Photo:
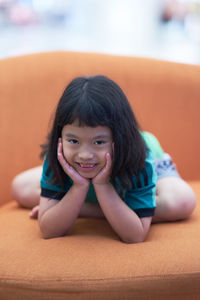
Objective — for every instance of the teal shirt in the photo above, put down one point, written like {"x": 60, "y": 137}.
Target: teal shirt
{"x": 140, "y": 198}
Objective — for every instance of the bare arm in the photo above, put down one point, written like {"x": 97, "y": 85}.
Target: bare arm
{"x": 125, "y": 222}
{"x": 91, "y": 210}
{"x": 57, "y": 217}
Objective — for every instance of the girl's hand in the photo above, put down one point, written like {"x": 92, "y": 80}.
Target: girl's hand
{"x": 34, "y": 212}
{"x": 69, "y": 170}
{"x": 103, "y": 176}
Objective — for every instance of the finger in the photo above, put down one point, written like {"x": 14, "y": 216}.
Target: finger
{"x": 107, "y": 169}
{"x": 60, "y": 153}
{"x": 63, "y": 162}
{"x": 104, "y": 175}
{"x": 59, "y": 148}
{"x": 108, "y": 161}
{"x": 69, "y": 170}
{"x": 34, "y": 212}
{"x": 60, "y": 156}
{"x": 66, "y": 167}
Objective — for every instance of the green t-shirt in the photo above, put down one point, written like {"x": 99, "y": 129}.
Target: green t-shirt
{"x": 153, "y": 144}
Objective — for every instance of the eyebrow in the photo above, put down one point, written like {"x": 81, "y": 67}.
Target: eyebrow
{"x": 71, "y": 135}
{"x": 101, "y": 136}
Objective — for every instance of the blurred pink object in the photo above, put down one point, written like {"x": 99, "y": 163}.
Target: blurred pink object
{"x": 22, "y": 15}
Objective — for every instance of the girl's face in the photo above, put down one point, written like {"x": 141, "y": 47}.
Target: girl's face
{"x": 85, "y": 148}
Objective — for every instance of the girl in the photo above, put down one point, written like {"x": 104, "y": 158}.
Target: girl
{"x": 97, "y": 163}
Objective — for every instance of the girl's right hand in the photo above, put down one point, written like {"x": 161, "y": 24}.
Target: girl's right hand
{"x": 69, "y": 170}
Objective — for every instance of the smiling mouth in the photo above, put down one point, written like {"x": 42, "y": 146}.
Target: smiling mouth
{"x": 86, "y": 166}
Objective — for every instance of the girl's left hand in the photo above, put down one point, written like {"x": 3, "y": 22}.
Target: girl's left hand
{"x": 103, "y": 176}
{"x": 34, "y": 212}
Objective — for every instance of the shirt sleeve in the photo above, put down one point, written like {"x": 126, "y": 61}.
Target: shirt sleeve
{"x": 50, "y": 190}
{"x": 142, "y": 197}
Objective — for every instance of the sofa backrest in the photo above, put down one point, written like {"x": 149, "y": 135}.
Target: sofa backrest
{"x": 165, "y": 97}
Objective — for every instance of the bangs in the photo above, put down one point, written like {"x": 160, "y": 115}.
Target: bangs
{"x": 98, "y": 101}
{"x": 89, "y": 113}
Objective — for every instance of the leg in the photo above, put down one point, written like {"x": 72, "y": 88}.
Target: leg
{"x": 175, "y": 200}
{"x": 25, "y": 187}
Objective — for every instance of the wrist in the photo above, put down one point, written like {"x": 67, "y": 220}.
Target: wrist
{"x": 82, "y": 185}
{"x": 101, "y": 181}
{"x": 100, "y": 185}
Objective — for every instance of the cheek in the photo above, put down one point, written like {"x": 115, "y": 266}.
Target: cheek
{"x": 102, "y": 154}
{"x": 102, "y": 158}
{"x": 67, "y": 152}
{"x": 110, "y": 150}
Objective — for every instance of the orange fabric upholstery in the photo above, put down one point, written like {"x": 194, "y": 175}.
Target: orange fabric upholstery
{"x": 92, "y": 263}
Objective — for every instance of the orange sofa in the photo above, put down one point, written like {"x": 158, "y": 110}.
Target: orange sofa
{"x": 92, "y": 263}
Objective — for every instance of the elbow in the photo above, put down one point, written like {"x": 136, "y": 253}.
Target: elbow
{"x": 47, "y": 236}
{"x": 134, "y": 239}
{"x": 49, "y": 233}
{"x": 138, "y": 234}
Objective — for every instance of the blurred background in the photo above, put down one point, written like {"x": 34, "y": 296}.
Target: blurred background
{"x": 162, "y": 29}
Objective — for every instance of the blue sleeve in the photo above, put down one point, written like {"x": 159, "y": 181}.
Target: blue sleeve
{"x": 142, "y": 197}
{"x": 49, "y": 189}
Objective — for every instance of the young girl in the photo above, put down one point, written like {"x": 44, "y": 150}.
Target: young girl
{"x": 97, "y": 163}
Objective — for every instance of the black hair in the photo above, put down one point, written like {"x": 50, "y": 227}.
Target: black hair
{"x": 99, "y": 101}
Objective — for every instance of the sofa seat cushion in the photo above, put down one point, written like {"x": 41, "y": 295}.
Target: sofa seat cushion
{"x": 92, "y": 263}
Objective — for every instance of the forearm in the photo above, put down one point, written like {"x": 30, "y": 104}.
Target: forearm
{"x": 59, "y": 218}
{"x": 123, "y": 220}
{"x": 91, "y": 210}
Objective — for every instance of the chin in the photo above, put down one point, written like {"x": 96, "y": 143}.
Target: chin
{"x": 88, "y": 176}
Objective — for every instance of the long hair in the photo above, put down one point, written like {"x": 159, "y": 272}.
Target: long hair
{"x": 99, "y": 101}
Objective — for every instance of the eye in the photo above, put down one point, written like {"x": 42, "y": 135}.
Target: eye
{"x": 73, "y": 141}
{"x": 99, "y": 142}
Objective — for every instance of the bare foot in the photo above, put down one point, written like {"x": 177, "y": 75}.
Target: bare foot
{"x": 34, "y": 212}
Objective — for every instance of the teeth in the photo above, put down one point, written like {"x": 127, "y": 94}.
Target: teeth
{"x": 87, "y": 165}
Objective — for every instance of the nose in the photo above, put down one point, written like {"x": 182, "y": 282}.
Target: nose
{"x": 85, "y": 154}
